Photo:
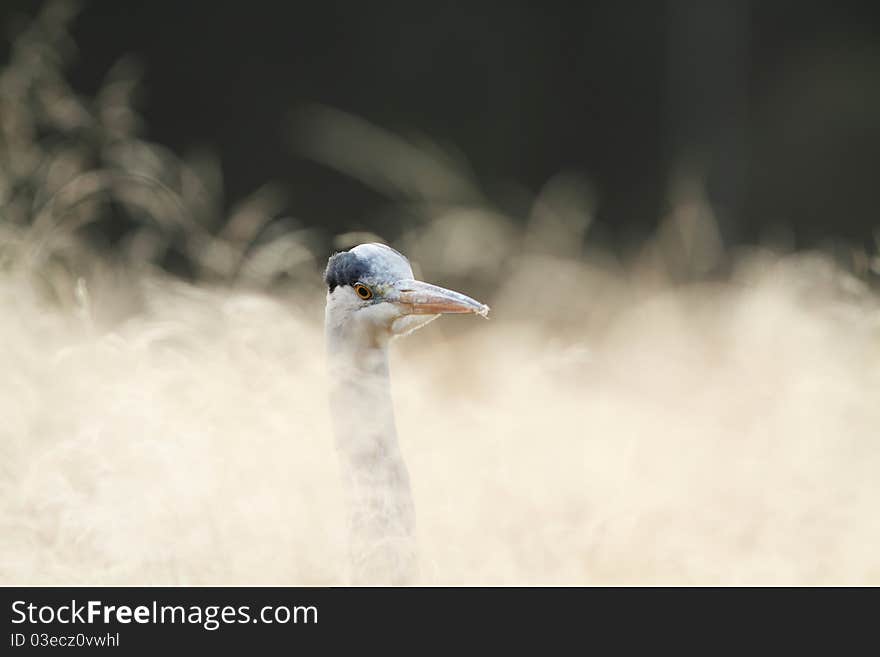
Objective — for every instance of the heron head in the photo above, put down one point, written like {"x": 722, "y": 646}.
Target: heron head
{"x": 371, "y": 289}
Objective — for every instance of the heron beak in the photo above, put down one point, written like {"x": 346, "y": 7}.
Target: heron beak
{"x": 425, "y": 299}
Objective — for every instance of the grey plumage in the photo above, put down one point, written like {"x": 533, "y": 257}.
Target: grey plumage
{"x": 358, "y": 331}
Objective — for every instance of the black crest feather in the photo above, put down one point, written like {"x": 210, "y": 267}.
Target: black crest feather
{"x": 344, "y": 269}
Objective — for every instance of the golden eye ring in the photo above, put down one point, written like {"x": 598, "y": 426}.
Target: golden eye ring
{"x": 363, "y": 291}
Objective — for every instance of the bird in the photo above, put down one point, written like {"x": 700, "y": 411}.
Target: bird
{"x": 372, "y": 298}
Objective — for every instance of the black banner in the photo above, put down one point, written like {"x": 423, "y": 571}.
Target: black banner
{"x": 151, "y": 619}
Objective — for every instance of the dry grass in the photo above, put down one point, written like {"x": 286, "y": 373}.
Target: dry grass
{"x": 723, "y": 433}
{"x": 615, "y": 422}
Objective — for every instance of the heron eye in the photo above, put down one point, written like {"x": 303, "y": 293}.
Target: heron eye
{"x": 363, "y": 291}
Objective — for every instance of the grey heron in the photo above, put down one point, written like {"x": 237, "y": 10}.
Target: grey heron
{"x": 372, "y": 297}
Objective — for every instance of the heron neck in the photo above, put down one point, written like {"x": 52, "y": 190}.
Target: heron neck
{"x": 381, "y": 513}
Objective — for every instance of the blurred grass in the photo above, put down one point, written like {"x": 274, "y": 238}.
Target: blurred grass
{"x": 677, "y": 413}
{"x": 77, "y": 173}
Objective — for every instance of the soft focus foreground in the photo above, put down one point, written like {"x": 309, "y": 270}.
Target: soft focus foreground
{"x": 684, "y": 414}
{"x": 711, "y": 433}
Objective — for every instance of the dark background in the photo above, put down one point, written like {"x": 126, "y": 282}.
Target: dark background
{"x": 776, "y": 104}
